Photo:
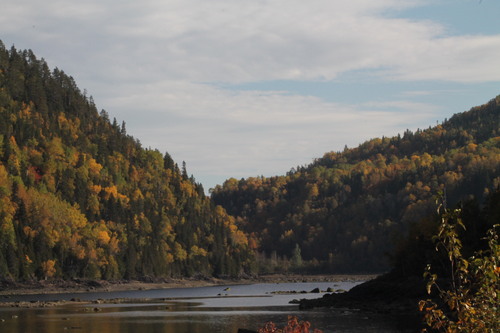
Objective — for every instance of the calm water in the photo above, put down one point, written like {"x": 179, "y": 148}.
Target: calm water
{"x": 192, "y": 310}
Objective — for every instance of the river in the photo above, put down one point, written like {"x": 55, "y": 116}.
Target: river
{"x": 221, "y": 309}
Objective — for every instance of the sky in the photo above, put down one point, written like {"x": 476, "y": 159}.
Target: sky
{"x": 248, "y": 88}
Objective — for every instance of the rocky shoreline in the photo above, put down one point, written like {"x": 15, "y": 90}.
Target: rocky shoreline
{"x": 388, "y": 293}
{"x": 383, "y": 294}
{"x": 82, "y": 285}
{"x": 10, "y": 288}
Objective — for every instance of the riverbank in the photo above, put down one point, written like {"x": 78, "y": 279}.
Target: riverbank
{"x": 9, "y": 288}
{"x": 220, "y": 308}
{"x": 81, "y": 285}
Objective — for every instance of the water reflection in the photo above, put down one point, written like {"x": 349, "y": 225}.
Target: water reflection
{"x": 195, "y": 310}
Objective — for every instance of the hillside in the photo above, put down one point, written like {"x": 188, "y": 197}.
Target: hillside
{"x": 81, "y": 198}
{"x": 349, "y": 211}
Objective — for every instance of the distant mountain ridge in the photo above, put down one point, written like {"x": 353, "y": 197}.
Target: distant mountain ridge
{"x": 81, "y": 198}
{"x": 347, "y": 211}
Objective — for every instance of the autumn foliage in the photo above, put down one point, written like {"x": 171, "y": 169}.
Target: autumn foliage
{"x": 471, "y": 301}
{"x": 348, "y": 209}
{"x": 81, "y": 198}
{"x": 293, "y": 326}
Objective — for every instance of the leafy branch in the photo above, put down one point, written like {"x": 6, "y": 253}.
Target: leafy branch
{"x": 472, "y": 302}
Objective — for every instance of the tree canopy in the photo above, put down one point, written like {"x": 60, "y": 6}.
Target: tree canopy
{"x": 81, "y": 198}
{"x": 348, "y": 210}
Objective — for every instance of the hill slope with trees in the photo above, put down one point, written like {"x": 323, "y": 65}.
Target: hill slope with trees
{"x": 81, "y": 198}
{"x": 347, "y": 211}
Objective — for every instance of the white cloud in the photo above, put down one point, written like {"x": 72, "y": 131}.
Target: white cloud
{"x": 238, "y": 41}
{"x": 460, "y": 59}
{"x": 155, "y": 64}
{"x": 253, "y": 132}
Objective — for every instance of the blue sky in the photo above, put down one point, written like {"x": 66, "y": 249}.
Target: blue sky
{"x": 246, "y": 88}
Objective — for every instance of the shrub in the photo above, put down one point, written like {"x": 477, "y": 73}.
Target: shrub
{"x": 293, "y": 326}
{"x": 472, "y": 303}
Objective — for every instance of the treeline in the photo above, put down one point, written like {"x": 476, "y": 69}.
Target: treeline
{"x": 348, "y": 211}
{"x": 81, "y": 198}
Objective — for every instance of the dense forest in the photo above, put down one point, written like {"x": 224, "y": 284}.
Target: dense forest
{"x": 351, "y": 211}
{"x": 81, "y": 198}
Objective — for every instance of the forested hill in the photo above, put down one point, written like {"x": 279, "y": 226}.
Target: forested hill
{"x": 348, "y": 210}
{"x": 81, "y": 198}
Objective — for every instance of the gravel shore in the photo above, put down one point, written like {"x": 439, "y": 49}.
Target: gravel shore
{"x": 9, "y": 288}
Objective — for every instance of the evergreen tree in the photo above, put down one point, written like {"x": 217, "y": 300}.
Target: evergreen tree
{"x": 81, "y": 198}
